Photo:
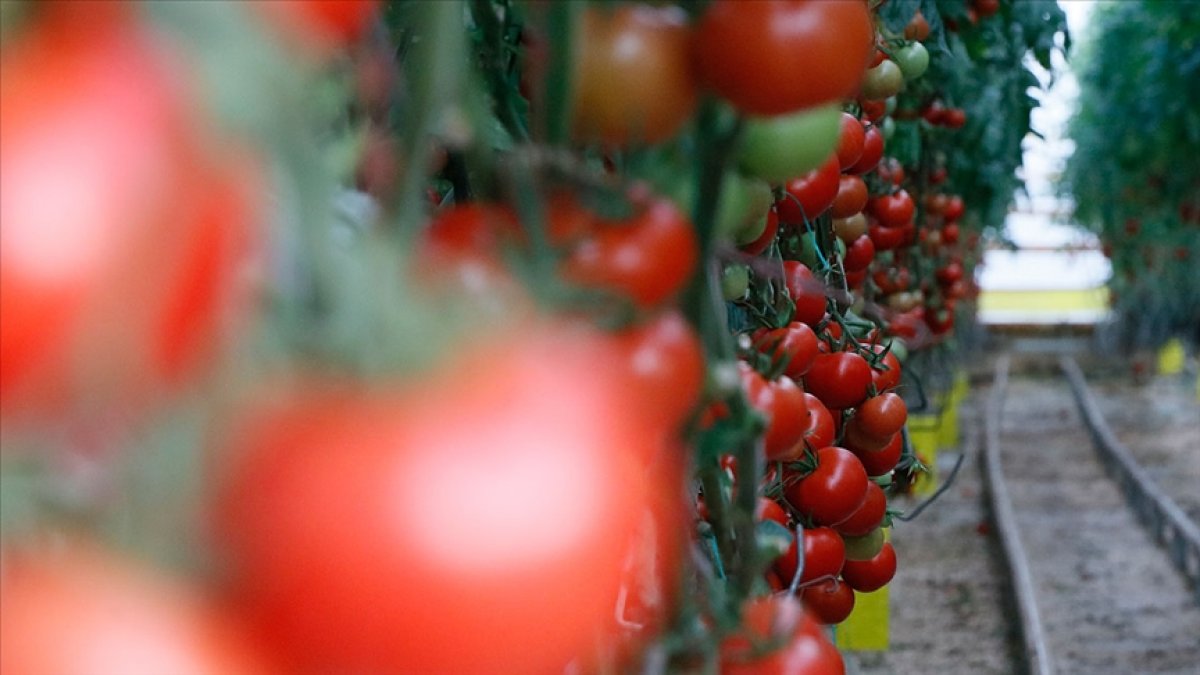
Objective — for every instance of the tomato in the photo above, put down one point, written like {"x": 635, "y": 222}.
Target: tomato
{"x": 985, "y": 8}
{"x": 917, "y": 28}
{"x": 859, "y": 255}
{"x": 110, "y": 206}
{"x": 913, "y": 60}
{"x": 749, "y": 53}
{"x": 735, "y": 282}
{"x": 649, "y": 258}
{"x": 795, "y": 342}
{"x": 954, "y": 118}
{"x": 769, "y": 509}
{"x": 381, "y": 566}
{"x": 939, "y": 176}
{"x": 474, "y": 229}
{"x": 768, "y": 235}
{"x": 883, "y": 81}
{"x": 881, "y": 416}
{"x": 779, "y": 148}
{"x": 954, "y": 208}
{"x": 950, "y": 233}
{"x": 893, "y": 210}
{"x": 850, "y": 229}
{"x": 873, "y": 574}
{"x": 321, "y": 25}
{"x": 824, "y": 554}
{"x": 829, "y": 601}
{"x": 872, "y": 152}
{"x": 879, "y": 462}
{"x": 633, "y": 77}
{"x": 868, "y": 516}
{"x": 891, "y": 170}
{"x": 885, "y": 238}
{"x": 865, "y": 547}
{"x": 84, "y": 611}
{"x": 821, "y": 430}
{"x": 851, "y": 196}
{"x": 833, "y": 491}
{"x": 850, "y": 141}
{"x": 873, "y": 111}
{"x": 950, "y": 273}
{"x": 840, "y": 379}
{"x": 779, "y": 619}
{"x": 806, "y": 291}
{"x": 781, "y": 402}
{"x": 810, "y": 195}
{"x": 886, "y": 375}
{"x": 665, "y": 364}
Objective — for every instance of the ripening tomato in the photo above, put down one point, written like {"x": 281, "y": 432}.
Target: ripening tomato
{"x": 883, "y": 81}
{"x": 649, "y": 258}
{"x": 833, "y": 491}
{"x": 810, "y": 195}
{"x": 868, "y": 516}
{"x": 320, "y": 25}
{"x": 917, "y": 28}
{"x": 767, "y": 237}
{"x": 872, "y": 152}
{"x": 123, "y": 244}
{"x": 873, "y": 574}
{"x": 779, "y": 619}
{"x": 806, "y": 291}
{"x": 83, "y": 611}
{"x": 893, "y": 210}
{"x": 851, "y": 196}
{"x": 850, "y": 141}
{"x": 750, "y": 53}
{"x": 388, "y": 563}
{"x": 795, "y": 342}
{"x": 850, "y": 229}
{"x": 830, "y": 601}
{"x": 821, "y": 429}
{"x": 839, "y": 379}
{"x": 633, "y": 75}
{"x": 824, "y": 554}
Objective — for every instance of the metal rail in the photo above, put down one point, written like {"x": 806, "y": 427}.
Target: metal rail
{"x": 1158, "y": 512}
{"x": 1033, "y": 638}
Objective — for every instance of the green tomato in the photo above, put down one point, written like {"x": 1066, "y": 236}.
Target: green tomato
{"x": 742, "y": 212}
{"x": 865, "y": 547}
{"x": 888, "y": 127}
{"x": 913, "y": 60}
{"x": 735, "y": 282}
{"x": 900, "y": 349}
{"x": 882, "y": 81}
{"x": 778, "y": 148}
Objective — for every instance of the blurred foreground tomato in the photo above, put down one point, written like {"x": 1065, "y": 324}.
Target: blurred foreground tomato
{"x": 791, "y": 642}
{"x": 84, "y": 613}
{"x": 320, "y": 25}
{"x": 476, "y": 520}
{"x": 120, "y": 242}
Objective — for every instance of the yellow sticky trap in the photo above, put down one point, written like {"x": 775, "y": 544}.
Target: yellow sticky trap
{"x": 960, "y": 388}
{"x": 924, "y": 431}
{"x": 867, "y": 629}
{"x": 948, "y": 430}
{"x": 1171, "y": 358}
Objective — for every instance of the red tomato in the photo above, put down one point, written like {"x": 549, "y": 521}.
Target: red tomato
{"x": 873, "y": 111}
{"x": 833, "y": 491}
{"x": 750, "y": 53}
{"x": 82, "y": 611}
{"x": 881, "y": 416}
{"x": 885, "y": 238}
{"x": 871, "y": 575}
{"x": 769, "y": 509}
{"x": 810, "y": 195}
{"x": 649, "y": 258}
{"x": 781, "y": 402}
{"x": 829, "y": 601}
{"x": 474, "y": 229}
{"x": 807, "y": 292}
{"x": 950, "y": 233}
{"x": 891, "y": 170}
{"x": 879, "y": 462}
{"x": 768, "y": 235}
{"x": 795, "y": 342}
{"x": 872, "y": 151}
{"x": 851, "y": 196}
{"x": 779, "y": 619}
{"x": 665, "y": 363}
{"x": 121, "y": 242}
{"x": 893, "y": 210}
{"x": 321, "y": 24}
{"x": 859, "y": 255}
{"x": 954, "y": 208}
{"x": 389, "y": 563}
{"x": 633, "y": 75}
{"x": 954, "y": 118}
{"x": 821, "y": 430}
{"x": 917, "y": 28}
{"x": 840, "y": 379}
{"x": 850, "y": 141}
{"x": 824, "y": 553}
{"x": 886, "y": 375}
{"x": 867, "y": 517}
